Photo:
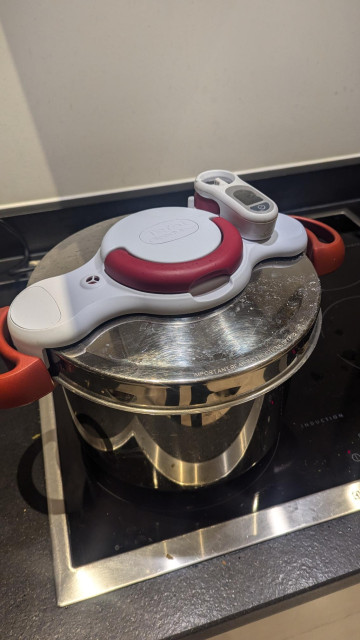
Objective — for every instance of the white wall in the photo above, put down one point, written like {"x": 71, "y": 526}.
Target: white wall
{"x": 120, "y": 93}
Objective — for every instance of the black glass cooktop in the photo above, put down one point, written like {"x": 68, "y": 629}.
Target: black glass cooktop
{"x": 318, "y": 447}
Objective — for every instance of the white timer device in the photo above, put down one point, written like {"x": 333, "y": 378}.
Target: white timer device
{"x": 253, "y": 213}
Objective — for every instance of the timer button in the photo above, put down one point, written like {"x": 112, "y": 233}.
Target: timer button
{"x": 263, "y": 206}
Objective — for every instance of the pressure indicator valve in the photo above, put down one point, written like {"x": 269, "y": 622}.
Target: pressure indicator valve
{"x": 222, "y": 192}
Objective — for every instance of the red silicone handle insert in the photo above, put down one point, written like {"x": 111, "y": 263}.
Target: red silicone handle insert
{"x": 177, "y": 277}
{"x": 206, "y": 204}
{"x": 325, "y": 248}
{"x": 27, "y": 380}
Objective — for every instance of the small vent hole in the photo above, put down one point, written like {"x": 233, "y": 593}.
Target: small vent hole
{"x": 92, "y": 279}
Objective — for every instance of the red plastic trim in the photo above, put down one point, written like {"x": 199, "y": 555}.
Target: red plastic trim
{"x": 206, "y": 204}
{"x": 326, "y": 248}
{"x": 177, "y": 277}
{"x": 28, "y": 380}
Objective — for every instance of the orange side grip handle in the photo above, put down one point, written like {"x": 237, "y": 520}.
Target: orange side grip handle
{"x": 27, "y": 379}
{"x": 325, "y": 248}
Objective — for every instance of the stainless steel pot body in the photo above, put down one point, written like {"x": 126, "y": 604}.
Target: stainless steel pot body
{"x": 181, "y": 451}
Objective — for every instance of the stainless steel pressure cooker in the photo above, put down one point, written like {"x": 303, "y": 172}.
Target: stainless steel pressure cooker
{"x": 172, "y": 332}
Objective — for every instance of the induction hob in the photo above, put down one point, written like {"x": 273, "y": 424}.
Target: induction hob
{"x": 107, "y": 534}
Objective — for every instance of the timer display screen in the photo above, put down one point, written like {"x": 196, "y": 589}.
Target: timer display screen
{"x": 246, "y": 196}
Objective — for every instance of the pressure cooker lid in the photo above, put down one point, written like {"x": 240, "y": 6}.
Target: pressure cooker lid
{"x": 189, "y": 363}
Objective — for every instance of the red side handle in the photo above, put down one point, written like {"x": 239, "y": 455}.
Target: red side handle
{"x": 325, "y": 248}
{"x": 28, "y": 378}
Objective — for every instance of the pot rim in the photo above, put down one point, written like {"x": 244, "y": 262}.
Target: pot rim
{"x": 144, "y": 398}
